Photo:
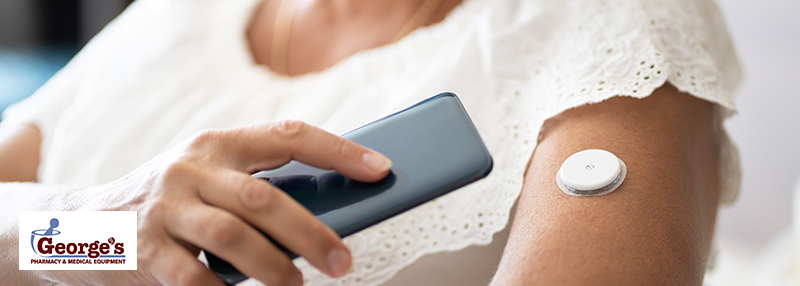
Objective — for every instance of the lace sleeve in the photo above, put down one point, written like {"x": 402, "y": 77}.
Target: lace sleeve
{"x": 630, "y": 48}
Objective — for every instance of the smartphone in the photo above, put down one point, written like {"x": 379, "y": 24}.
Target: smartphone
{"x": 434, "y": 148}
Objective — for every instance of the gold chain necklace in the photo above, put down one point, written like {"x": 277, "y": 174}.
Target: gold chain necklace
{"x": 422, "y": 15}
{"x": 283, "y": 27}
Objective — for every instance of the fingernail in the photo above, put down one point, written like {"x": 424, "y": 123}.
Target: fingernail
{"x": 339, "y": 262}
{"x": 297, "y": 280}
{"x": 377, "y": 161}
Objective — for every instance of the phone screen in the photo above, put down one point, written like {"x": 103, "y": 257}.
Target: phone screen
{"x": 328, "y": 191}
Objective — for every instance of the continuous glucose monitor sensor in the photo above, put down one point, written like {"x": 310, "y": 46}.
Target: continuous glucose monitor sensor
{"x": 591, "y": 172}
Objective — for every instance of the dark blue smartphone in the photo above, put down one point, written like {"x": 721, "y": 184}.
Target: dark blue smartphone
{"x": 434, "y": 148}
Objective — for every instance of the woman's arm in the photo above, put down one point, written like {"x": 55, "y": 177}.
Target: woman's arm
{"x": 19, "y": 152}
{"x": 655, "y": 229}
{"x": 200, "y": 195}
{"x": 16, "y": 197}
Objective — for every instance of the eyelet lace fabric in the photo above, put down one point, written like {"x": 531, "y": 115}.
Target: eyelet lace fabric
{"x": 583, "y": 52}
{"x": 165, "y": 69}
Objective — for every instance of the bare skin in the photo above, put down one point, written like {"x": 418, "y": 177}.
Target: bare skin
{"x": 654, "y": 230}
{"x": 325, "y": 32}
{"x": 19, "y": 152}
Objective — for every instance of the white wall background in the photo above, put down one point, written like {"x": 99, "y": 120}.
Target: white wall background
{"x": 767, "y": 130}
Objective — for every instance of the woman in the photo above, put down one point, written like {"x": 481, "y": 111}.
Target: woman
{"x": 648, "y": 81}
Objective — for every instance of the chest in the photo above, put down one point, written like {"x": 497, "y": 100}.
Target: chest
{"x": 299, "y": 37}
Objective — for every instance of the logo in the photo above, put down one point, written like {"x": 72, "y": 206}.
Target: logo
{"x": 46, "y": 248}
{"x": 79, "y": 240}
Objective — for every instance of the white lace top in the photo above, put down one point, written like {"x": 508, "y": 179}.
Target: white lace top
{"x": 167, "y": 68}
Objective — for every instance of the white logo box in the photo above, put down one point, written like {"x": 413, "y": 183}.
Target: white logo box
{"x": 79, "y": 240}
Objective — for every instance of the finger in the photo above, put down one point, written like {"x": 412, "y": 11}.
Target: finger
{"x": 279, "y": 216}
{"x": 229, "y": 238}
{"x": 268, "y": 146}
{"x": 178, "y": 267}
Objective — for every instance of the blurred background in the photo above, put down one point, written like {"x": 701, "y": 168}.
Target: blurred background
{"x": 37, "y": 37}
{"x": 753, "y": 232}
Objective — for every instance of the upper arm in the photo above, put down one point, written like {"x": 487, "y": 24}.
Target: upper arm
{"x": 19, "y": 152}
{"x": 655, "y": 229}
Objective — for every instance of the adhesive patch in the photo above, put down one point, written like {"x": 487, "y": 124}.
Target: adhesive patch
{"x": 591, "y": 172}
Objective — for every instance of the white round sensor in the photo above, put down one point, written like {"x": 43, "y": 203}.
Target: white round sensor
{"x": 591, "y": 172}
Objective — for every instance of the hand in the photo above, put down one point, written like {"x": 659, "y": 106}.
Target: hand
{"x": 199, "y": 195}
